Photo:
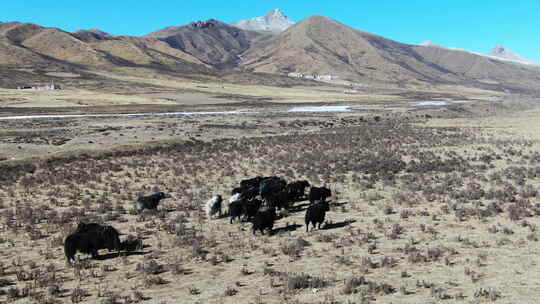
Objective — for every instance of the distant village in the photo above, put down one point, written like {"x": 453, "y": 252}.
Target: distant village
{"x": 314, "y": 77}
{"x": 40, "y": 87}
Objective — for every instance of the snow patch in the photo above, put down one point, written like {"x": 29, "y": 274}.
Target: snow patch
{"x": 430, "y": 103}
{"x": 439, "y": 103}
{"x": 321, "y": 109}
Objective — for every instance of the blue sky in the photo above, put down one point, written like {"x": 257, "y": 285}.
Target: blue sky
{"x": 466, "y": 24}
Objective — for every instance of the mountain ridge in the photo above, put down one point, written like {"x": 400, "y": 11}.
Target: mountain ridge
{"x": 317, "y": 45}
{"x": 498, "y": 52}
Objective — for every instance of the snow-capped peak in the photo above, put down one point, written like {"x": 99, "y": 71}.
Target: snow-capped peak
{"x": 500, "y": 51}
{"x": 274, "y": 21}
{"x": 429, "y": 43}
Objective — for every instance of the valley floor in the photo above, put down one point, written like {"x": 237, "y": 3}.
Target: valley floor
{"x": 429, "y": 204}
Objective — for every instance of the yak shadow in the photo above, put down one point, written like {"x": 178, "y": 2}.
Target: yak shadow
{"x": 337, "y": 204}
{"x": 304, "y": 206}
{"x": 299, "y": 207}
{"x": 113, "y": 255}
{"x": 329, "y": 226}
{"x": 288, "y": 228}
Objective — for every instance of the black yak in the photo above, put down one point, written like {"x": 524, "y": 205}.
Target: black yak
{"x": 91, "y": 241}
{"x": 318, "y": 194}
{"x": 91, "y": 227}
{"x": 264, "y": 220}
{"x": 236, "y": 210}
{"x": 252, "y": 182}
{"x": 250, "y": 208}
{"x": 297, "y": 189}
{"x": 315, "y": 214}
{"x": 271, "y": 186}
{"x": 149, "y": 201}
{"x": 281, "y": 199}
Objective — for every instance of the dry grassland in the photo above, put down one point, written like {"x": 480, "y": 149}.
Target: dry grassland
{"x": 423, "y": 211}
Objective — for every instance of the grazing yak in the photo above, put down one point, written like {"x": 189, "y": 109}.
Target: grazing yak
{"x": 315, "y": 214}
{"x": 270, "y": 186}
{"x": 247, "y": 193}
{"x": 264, "y": 220}
{"x": 149, "y": 201}
{"x": 250, "y": 208}
{"x": 297, "y": 189}
{"x": 91, "y": 238}
{"x": 244, "y": 210}
{"x": 91, "y": 227}
{"x": 281, "y": 199}
{"x": 318, "y": 194}
{"x": 94, "y": 227}
{"x": 252, "y": 182}
{"x": 213, "y": 206}
{"x": 235, "y": 210}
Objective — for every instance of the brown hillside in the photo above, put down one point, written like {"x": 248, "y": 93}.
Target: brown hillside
{"x": 319, "y": 45}
{"x": 211, "y": 41}
{"x": 62, "y": 45}
{"x": 482, "y": 69}
{"x": 25, "y": 44}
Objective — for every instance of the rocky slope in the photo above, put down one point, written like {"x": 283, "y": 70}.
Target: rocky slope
{"x": 212, "y": 42}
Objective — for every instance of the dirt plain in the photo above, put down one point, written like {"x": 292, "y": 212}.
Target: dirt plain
{"x": 429, "y": 205}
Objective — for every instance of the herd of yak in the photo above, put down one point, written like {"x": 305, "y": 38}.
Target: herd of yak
{"x": 255, "y": 200}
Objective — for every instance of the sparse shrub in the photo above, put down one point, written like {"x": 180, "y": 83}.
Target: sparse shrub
{"x": 294, "y": 248}
{"x": 230, "y": 291}
{"x": 194, "y": 290}
{"x": 490, "y": 294}
{"x": 77, "y": 295}
{"x": 152, "y": 280}
{"x": 150, "y": 267}
{"x": 302, "y": 281}
{"x": 351, "y": 285}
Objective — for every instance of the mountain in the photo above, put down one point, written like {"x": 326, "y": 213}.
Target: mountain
{"x": 498, "y": 52}
{"x": 319, "y": 45}
{"x": 315, "y": 46}
{"x": 36, "y": 44}
{"x": 274, "y": 21}
{"x": 27, "y": 46}
{"x": 212, "y": 42}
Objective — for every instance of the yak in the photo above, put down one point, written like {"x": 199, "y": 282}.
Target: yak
{"x": 149, "y": 201}
{"x": 91, "y": 240}
{"x": 213, "y": 206}
{"x": 315, "y": 214}
{"x": 264, "y": 220}
{"x": 318, "y": 194}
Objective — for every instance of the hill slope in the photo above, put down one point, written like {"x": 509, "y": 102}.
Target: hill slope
{"x": 36, "y": 44}
{"x": 212, "y": 42}
{"x": 319, "y": 45}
